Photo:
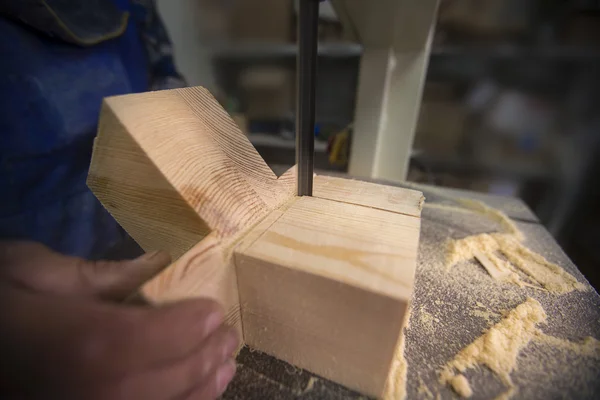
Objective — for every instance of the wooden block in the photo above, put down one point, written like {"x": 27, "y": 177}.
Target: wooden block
{"x": 325, "y": 287}
{"x": 323, "y": 281}
{"x": 172, "y": 166}
{"x": 178, "y": 174}
{"x": 388, "y": 198}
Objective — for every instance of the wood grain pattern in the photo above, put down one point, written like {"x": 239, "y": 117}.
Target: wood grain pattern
{"x": 388, "y": 198}
{"x": 204, "y": 271}
{"x": 325, "y": 285}
{"x": 131, "y": 187}
{"x": 176, "y": 172}
{"x": 183, "y": 141}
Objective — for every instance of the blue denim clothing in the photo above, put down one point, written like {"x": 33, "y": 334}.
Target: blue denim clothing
{"x": 52, "y": 83}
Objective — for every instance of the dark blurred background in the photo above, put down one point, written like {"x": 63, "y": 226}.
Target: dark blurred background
{"x": 510, "y": 105}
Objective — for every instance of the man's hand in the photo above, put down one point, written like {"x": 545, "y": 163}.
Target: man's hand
{"x": 60, "y": 337}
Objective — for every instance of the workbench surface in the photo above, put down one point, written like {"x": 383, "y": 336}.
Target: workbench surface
{"x": 450, "y": 309}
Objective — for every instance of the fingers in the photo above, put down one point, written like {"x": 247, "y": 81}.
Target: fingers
{"x": 197, "y": 369}
{"x": 36, "y": 267}
{"x": 15, "y": 251}
{"x": 152, "y": 338}
{"x": 116, "y": 280}
{"x": 22, "y": 264}
{"x": 215, "y": 385}
{"x": 71, "y": 347}
{"x": 107, "y": 340}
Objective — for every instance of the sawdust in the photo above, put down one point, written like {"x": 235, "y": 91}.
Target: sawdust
{"x": 309, "y": 386}
{"x": 499, "y": 347}
{"x": 506, "y": 395}
{"x": 536, "y": 268}
{"x": 588, "y": 347}
{"x": 575, "y": 366}
{"x": 460, "y": 384}
{"x": 550, "y": 276}
{"x": 421, "y": 203}
{"x": 453, "y": 306}
{"x": 427, "y": 319}
{"x": 485, "y": 247}
{"x": 446, "y": 207}
{"x": 493, "y": 214}
{"x": 423, "y": 390}
{"x": 395, "y": 388}
{"x": 489, "y": 316}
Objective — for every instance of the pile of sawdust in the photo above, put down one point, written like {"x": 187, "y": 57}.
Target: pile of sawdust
{"x": 395, "y": 388}
{"x": 481, "y": 311}
{"x": 494, "y": 215}
{"x": 575, "y": 366}
{"x": 460, "y": 384}
{"x": 447, "y": 324}
{"x": 498, "y": 348}
{"x": 539, "y": 270}
{"x": 435, "y": 282}
{"x": 552, "y": 277}
{"x": 484, "y": 247}
{"x": 588, "y": 347}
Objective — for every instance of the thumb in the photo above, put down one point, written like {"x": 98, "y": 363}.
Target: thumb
{"x": 35, "y": 267}
{"x": 115, "y": 280}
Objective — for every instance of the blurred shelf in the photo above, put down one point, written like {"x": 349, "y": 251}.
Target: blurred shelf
{"x": 263, "y": 50}
{"x": 553, "y": 52}
{"x": 276, "y": 150}
{"x": 257, "y": 50}
{"x": 274, "y": 141}
{"x": 517, "y": 170}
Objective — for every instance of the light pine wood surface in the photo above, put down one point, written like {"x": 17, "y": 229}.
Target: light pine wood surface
{"x": 326, "y": 285}
{"x": 322, "y": 282}
{"x": 387, "y": 198}
{"x": 178, "y": 175}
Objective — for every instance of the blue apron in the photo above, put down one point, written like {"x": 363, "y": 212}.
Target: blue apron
{"x": 54, "y": 72}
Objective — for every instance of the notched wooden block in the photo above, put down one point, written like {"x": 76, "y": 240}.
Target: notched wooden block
{"x": 322, "y": 282}
{"x": 171, "y": 166}
{"x": 178, "y": 175}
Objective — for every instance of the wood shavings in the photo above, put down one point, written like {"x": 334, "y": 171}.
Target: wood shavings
{"x": 423, "y": 390}
{"x": 427, "y": 320}
{"x": 460, "y": 384}
{"x": 467, "y": 302}
{"x": 552, "y": 277}
{"x": 489, "y": 316}
{"x": 495, "y": 268}
{"x": 548, "y": 275}
{"x": 447, "y": 207}
{"x": 495, "y": 215}
{"x": 395, "y": 388}
{"x": 484, "y": 247}
{"x": 499, "y": 347}
{"x": 309, "y": 386}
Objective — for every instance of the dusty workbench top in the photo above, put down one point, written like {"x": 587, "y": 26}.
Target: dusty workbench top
{"x": 452, "y": 308}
